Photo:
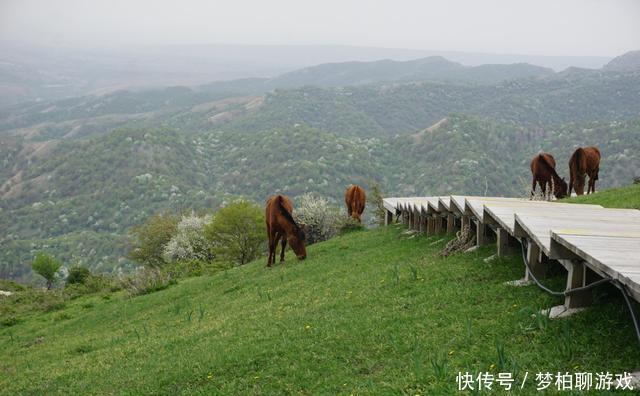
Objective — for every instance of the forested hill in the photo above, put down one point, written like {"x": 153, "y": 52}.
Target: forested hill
{"x": 78, "y": 173}
{"x": 368, "y": 110}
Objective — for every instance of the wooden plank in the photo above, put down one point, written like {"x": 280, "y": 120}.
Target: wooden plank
{"x": 390, "y": 204}
{"x": 444, "y": 204}
{"x": 503, "y": 213}
{"x": 457, "y": 204}
{"x": 614, "y": 255}
{"x": 474, "y": 206}
{"x": 537, "y": 226}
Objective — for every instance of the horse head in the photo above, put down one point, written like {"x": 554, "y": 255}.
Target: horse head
{"x": 296, "y": 240}
{"x": 560, "y": 190}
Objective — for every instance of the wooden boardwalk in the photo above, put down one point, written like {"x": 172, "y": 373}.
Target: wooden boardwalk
{"x": 590, "y": 241}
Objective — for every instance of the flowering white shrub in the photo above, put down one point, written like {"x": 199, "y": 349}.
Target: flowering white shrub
{"x": 321, "y": 221}
{"x": 189, "y": 241}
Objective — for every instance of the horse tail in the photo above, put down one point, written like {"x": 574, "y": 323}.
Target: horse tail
{"x": 578, "y": 161}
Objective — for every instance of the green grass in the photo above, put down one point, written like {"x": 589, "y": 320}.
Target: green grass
{"x": 625, "y": 197}
{"x": 370, "y": 312}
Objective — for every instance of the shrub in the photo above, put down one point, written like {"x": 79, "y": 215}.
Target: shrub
{"x": 151, "y": 237}
{"x": 46, "y": 266}
{"x": 374, "y": 200}
{"x": 92, "y": 284}
{"x": 237, "y": 232}
{"x": 346, "y": 224}
{"x": 10, "y": 286}
{"x": 78, "y": 275}
{"x": 189, "y": 242}
{"x": 321, "y": 221}
{"x": 147, "y": 280}
{"x": 9, "y": 321}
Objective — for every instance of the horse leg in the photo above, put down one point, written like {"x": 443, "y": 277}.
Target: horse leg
{"x": 276, "y": 240}
{"x": 533, "y": 188}
{"x": 272, "y": 248}
{"x": 570, "y": 184}
{"x": 284, "y": 247}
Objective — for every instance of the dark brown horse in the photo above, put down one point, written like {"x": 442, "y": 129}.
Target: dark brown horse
{"x": 355, "y": 198}
{"x": 584, "y": 161}
{"x": 280, "y": 224}
{"x": 543, "y": 169}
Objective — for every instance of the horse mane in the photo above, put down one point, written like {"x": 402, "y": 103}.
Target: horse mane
{"x": 285, "y": 213}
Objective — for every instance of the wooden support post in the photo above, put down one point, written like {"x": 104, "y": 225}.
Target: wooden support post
{"x": 578, "y": 277}
{"x": 420, "y": 224}
{"x": 450, "y": 223}
{"x": 438, "y": 225}
{"x": 388, "y": 218}
{"x": 430, "y": 225}
{"x": 466, "y": 222}
{"x": 503, "y": 242}
{"x": 538, "y": 267}
{"x": 481, "y": 236}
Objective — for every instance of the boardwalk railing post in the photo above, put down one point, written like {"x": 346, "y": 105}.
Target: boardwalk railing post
{"x": 505, "y": 242}
{"x": 431, "y": 225}
{"x": 577, "y": 277}
{"x": 388, "y": 218}
{"x": 466, "y": 222}
{"x": 450, "y": 224}
{"x": 481, "y": 236}
{"x": 536, "y": 264}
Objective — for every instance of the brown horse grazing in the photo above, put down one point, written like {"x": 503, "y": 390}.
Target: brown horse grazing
{"x": 280, "y": 224}
{"x": 355, "y": 198}
{"x": 543, "y": 169}
{"x": 584, "y": 161}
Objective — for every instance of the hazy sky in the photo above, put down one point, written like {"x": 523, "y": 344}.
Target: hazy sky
{"x": 543, "y": 27}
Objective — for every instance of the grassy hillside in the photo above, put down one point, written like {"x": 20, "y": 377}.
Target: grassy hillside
{"x": 370, "y": 312}
{"x": 625, "y": 197}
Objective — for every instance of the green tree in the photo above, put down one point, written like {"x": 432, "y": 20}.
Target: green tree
{"x": 237, "y": 232}
{"x": 151, "y": 238}
{"x": 78, "y": 274}
{"x": 46, "y": 266}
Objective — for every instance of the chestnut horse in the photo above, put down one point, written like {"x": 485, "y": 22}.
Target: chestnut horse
{"x": 355, "y": 198}
{"x": 543, "y": 169}
{"x": 280, "y": 224}
{"x": 584, "y": 161}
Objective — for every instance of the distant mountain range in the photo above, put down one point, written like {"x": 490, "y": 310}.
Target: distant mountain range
{"x": 31, "y": 73}
{"x": 424, "y": 69}
{"x": 626, "y": 62}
